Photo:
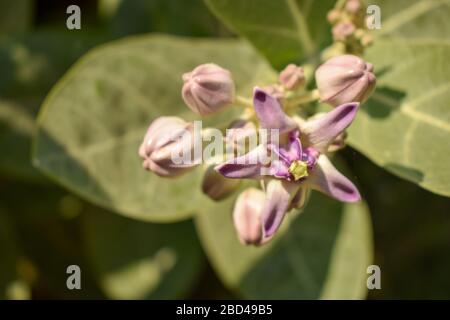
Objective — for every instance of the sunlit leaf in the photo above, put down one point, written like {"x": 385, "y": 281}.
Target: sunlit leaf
{"x": 414, "y": 19}
{"x": 284, "y": 31}
{"x": 405, "y": 126}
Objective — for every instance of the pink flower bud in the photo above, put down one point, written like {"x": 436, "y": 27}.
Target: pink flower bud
{"x": 239, "y": 136}
{"x": 216, "y": 186}
{"x": 345, "y": 78}
{"x": 166, "y": 137}
{"x": 343, "y": 30}
{"x": 208, "y": 89}
{"x": 353, "y": 6}
{"x": 292, "y": 77}
{"x": 333, "y": 16}
{"x": 247, "y": 216}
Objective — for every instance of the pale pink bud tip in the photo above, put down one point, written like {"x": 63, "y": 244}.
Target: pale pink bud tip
{"x": 343, "y": 30}
{"x": 247, "y": 216}
{"x": 208, "y": 89}
{"x": 353, "y": 6}
{"x": 165, "y": 142}
{"x": 292, "y": 77}
{"x": 344, "y": 79}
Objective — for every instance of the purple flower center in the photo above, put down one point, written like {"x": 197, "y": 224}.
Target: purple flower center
{"x": 294, "y": 163}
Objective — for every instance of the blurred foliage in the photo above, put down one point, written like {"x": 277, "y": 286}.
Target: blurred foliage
{"x": 44, "y": 229}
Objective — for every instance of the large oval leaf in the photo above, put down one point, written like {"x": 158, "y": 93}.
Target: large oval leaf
{"x": 284, "y": 31}
{"x": 405, "y": 126}
{"x": 138, "y": 260}
{"x": 323, "y": 253}
{"x": 92, "y": 123}
{"x": 414, "y": 19}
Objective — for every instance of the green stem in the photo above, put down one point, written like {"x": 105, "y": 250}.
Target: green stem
{"x": 243, "y": 102}
{"x": 302, "y": 99}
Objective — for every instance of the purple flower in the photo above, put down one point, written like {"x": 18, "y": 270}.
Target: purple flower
{"x": 297, "y": 164}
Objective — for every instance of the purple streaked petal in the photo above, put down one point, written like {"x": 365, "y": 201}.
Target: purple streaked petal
{"x": 281, "y": 153}
{"x": 320, "y": 132}
{"x": 325, "y": 178}
{"x": 248, "y": 165}
{"x": 295, "y": 146}
{"x": 270, "y": 113}
{"x": 279, "y": 194}
{"x": 279, "y": 169}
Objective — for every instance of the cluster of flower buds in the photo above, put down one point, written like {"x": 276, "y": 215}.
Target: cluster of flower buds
{"x": 297, "y": 161}
{"x": 349, "y": 30}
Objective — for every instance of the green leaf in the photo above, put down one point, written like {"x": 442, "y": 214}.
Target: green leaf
{"x": 284, "y": 31}
{"x": 30, "y": 65}
{"x": 414, "y": 19}
{"x": 405, "y": 126}
{"x": 92, "y": 123}
{"x": 323, "y": 253}
{"x": 15, "y": 16}
{"x": 11, "y": 284}
{"x": 138, "y": 260}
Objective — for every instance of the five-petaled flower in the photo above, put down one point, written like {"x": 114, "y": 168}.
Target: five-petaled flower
{"x": 298, "y": 162}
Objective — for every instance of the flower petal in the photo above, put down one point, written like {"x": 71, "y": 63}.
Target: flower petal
{"x": 279, "y": 194}
{"x": 279, "y": 169}
{"x": 325, "y": 178}
{"x": 270, "y": 112}
{"x": 321, "y": 131}
{"x": 250, "y": 165}
{"x": 295, "y": 146}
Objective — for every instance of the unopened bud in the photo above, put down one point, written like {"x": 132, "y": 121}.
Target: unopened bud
{"x": 247, "y": 216}
{"x": 241, "y": 137}
{"x": 333, "y": 16}
{"x": 216, "y": 186}
{"x": 345, "y": 78}
{"x": 208, "y": 89}
{"x": 292, "y": 77}
{"x": 343, "y": 30}
{"x": 353, "y": 6}
{"x": 166, "y": 137}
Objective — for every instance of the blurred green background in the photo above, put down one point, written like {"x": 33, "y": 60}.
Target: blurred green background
{"x": 44, "y": 228}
